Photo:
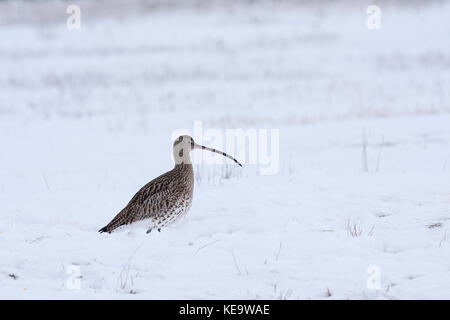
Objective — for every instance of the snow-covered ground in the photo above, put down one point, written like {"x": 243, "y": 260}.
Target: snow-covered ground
{"x": 362, "y": 192}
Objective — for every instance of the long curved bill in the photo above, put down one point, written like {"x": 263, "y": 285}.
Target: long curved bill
{"x": 197, "y": 146}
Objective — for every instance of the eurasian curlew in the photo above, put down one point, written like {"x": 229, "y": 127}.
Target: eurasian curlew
{"x": 167, "y": 197}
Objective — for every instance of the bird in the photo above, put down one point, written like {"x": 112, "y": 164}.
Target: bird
{"x": 167, "y": 197}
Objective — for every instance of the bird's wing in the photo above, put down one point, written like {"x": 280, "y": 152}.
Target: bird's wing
{"x": 144, "y": 204}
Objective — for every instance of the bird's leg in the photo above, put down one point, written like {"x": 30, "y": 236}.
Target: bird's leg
{"x": 159, "y": 229}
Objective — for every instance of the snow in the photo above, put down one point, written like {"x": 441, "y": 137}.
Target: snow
{"x": 86, "y": 119}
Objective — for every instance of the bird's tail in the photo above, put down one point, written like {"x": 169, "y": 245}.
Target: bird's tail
{"x": 120, "y": 219}
{"x": 104, "y": 229}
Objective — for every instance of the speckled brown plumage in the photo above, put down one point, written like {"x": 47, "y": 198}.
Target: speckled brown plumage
{"x": 165, "y": 198}
{"x": 161, "y": 200}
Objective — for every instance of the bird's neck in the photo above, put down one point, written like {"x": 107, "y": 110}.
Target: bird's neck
{"x": 184, "y": 170}
{"x": 183, "y": 166}
{"x": 181, "y": 157}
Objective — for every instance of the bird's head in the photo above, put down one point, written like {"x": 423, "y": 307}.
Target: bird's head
{"x": 184, "y": 144}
